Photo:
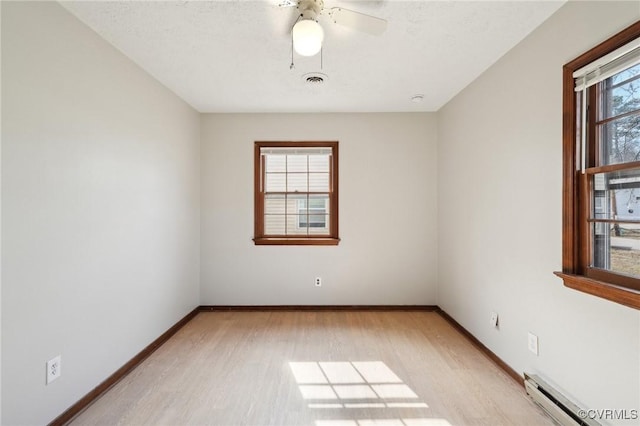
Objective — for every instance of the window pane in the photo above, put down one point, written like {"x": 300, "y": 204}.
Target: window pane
{"x": 295, "y": 225}
{"x": 274, "y": 224}
{"x": 274, "y": 204}
{"x": 620, "y": 99}
{"x": 296, "y": 203}
{"x": 620, "y": 140}
{"x": 315, "y": 217}
{"x": 617, "y": 195}
{"x": 319, "y": 163}
{"x": 625, "y": 75}
{"x": 616, "y": 246}
{"x": 318, "y": 182}
{"x": 295, "y": 209}
{"x": 319, "y": 225}
{"x": 297, "y": 163}
{"x": 318, "y": 201}
{"x": 275, "y": 182}
{"x": 312, "y": 220}
{"x": 317, "y": 221}
{"x": 275, "y": 163}
{"x": 297, "y": 182}
{"x": 619, "y": 254}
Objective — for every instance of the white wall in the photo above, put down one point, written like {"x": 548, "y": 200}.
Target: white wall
{"x": 387, "y": 213}
{"x": 0, "y": 223}
{"x": 100, "y": 219}
{"x": 499, "y": 217}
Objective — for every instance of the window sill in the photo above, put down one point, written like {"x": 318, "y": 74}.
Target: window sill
{"x": 624, "y": 296}
{"x": 265, "y": 241}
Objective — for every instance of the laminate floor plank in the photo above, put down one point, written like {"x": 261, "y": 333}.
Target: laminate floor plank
{"x": 356, "y": 368}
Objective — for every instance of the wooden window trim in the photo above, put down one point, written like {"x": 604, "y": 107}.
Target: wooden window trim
{"x": 575, "y": 253}
{"x": 303, "y": 240}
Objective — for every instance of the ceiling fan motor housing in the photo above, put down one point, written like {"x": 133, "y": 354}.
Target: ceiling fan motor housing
{"x": 310, "y": 9}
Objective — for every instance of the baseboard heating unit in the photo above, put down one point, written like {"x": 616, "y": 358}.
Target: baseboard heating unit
{"x": 555, "y": 404}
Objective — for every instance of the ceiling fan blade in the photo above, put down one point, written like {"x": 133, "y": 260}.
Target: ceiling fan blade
{"x": 369, "y": 4}
{"x": 358, "y": 21}
{"x": 288, "y": 3}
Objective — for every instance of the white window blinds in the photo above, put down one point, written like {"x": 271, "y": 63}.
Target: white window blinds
{"x": 295, "y": 151}
{"x": 599, "y": 70}
{"x": 607, "y": 66}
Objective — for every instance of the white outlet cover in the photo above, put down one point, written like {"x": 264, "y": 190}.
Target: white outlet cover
{"x": 533, "y": 343}
{"x": 54, "y": 369}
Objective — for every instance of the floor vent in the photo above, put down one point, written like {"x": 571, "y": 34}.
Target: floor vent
{"x": 555, "y": 404}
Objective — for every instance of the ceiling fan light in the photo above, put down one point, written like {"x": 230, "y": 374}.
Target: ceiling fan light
{"x": 307, "y": 37}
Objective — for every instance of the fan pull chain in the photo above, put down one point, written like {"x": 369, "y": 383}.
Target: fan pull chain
{"x": 291, "y": 66}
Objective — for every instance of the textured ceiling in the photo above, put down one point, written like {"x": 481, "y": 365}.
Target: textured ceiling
{"x": 234, "y": 56}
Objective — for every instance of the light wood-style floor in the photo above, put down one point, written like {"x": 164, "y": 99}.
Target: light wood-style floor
{"x": 345, "y": 368}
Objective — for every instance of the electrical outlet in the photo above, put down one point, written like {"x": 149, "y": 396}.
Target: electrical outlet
{"x": 54, "y": 369}
{"x": 533, "y": 343}
{"x": 318, "y": 282}
{"x": 494, "y": 319}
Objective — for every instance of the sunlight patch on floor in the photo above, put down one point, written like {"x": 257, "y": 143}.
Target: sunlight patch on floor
{"x": 376, "y": 372}
{"x": 341, "y": 372}
{"x": 365, "y": 405}
{"x": 394, "y": 391}
{"x": 385, "y": 422}
{"x": 358, "y": 385}
{"x": 370, "y": 405}
{"x": 307, "y": 373}
{"x": 380, "y": 422}
{"x": 355, "y": 392}
{"x": 407, "y": 405}
{"x": 317, "y": 392}
{"x": 368, "y": 380}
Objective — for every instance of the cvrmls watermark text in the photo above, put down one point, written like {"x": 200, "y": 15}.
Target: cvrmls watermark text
{"x": 609, "y": 414}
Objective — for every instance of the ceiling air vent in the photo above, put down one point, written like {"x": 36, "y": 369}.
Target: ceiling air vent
{"x": 314, "y": 78}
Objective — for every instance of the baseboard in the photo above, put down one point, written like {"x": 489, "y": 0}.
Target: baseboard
{"x": 83, "y": 403}
{"x": 258, "y": 308}
{"x": 103, "y": 387}
{"x": 478, "y": 344}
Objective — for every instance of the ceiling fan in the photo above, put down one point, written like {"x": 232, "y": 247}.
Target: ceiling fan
{"x": 307, "y": 34}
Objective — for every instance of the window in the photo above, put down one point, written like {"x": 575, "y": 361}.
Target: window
{"x": 296, "y": 193}
{"x": 601, "y": 170}
{"x": 314, "y": 216}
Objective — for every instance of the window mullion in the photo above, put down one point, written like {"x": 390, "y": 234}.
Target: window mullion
{"x": 594, "y": 148}
{"x": 307, "y": 195}
{"x": 286, "y": 195}
{"x": 584, "y": 238}
{"x": 263, "y": 191}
